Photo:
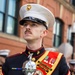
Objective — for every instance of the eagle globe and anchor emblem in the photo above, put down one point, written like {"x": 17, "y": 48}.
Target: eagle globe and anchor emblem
{"x": 29, "y": 67}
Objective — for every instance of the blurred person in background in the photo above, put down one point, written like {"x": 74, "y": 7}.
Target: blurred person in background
{"x": 3, "y": 55}
{"x": 67, "y": 50}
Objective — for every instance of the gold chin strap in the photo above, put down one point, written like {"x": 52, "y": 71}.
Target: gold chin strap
{"x": 1, "y": 71}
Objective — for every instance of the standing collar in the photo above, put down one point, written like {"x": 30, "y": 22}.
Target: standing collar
{"x": 36, "y": 53}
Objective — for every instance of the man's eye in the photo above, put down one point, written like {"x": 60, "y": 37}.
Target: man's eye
{"x": 25, "y": 24}
{"x": 33, "y": 25}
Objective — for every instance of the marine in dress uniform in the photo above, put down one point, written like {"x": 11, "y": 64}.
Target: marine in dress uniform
{"x": 47, "y": 62}
{"x": 3, "y": 55}
{"x": 72, "y": 66}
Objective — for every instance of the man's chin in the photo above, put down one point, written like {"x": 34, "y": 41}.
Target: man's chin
{"x": 28, "y": 39}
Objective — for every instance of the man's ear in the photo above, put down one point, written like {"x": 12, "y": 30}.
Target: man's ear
{"x": 45, "y": 32}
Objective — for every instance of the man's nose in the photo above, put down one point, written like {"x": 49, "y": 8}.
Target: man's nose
{"x": 28, "y": 26}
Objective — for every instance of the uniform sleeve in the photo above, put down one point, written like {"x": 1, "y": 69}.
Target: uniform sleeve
{"x": 5, "y": 68}
{"x": 63, "y": 69}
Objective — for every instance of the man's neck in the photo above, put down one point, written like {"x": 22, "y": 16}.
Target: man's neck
{"x": 34, "y": 45}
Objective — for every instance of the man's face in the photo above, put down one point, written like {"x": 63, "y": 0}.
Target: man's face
{"x": 33, "y": 31}
{"x": 2, "y": 60}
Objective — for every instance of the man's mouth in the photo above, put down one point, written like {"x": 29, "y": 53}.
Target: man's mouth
{"x": 28, "y": 32}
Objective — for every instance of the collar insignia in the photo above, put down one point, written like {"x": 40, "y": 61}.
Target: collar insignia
{"x": 38, "y": 52}
{"x": 28, "y": 52}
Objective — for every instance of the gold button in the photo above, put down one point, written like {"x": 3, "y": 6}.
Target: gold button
{"x": 33, "y": 59}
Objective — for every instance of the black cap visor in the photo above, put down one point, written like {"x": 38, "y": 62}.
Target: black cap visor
{"x": 36, "y": 20}
{"x": 3, "y": 56}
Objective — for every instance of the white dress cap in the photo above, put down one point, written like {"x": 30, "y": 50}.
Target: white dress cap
{"x": 4, "y": 52}
{"x": 72, "y": 62}
{"x": 37, "y": 11}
